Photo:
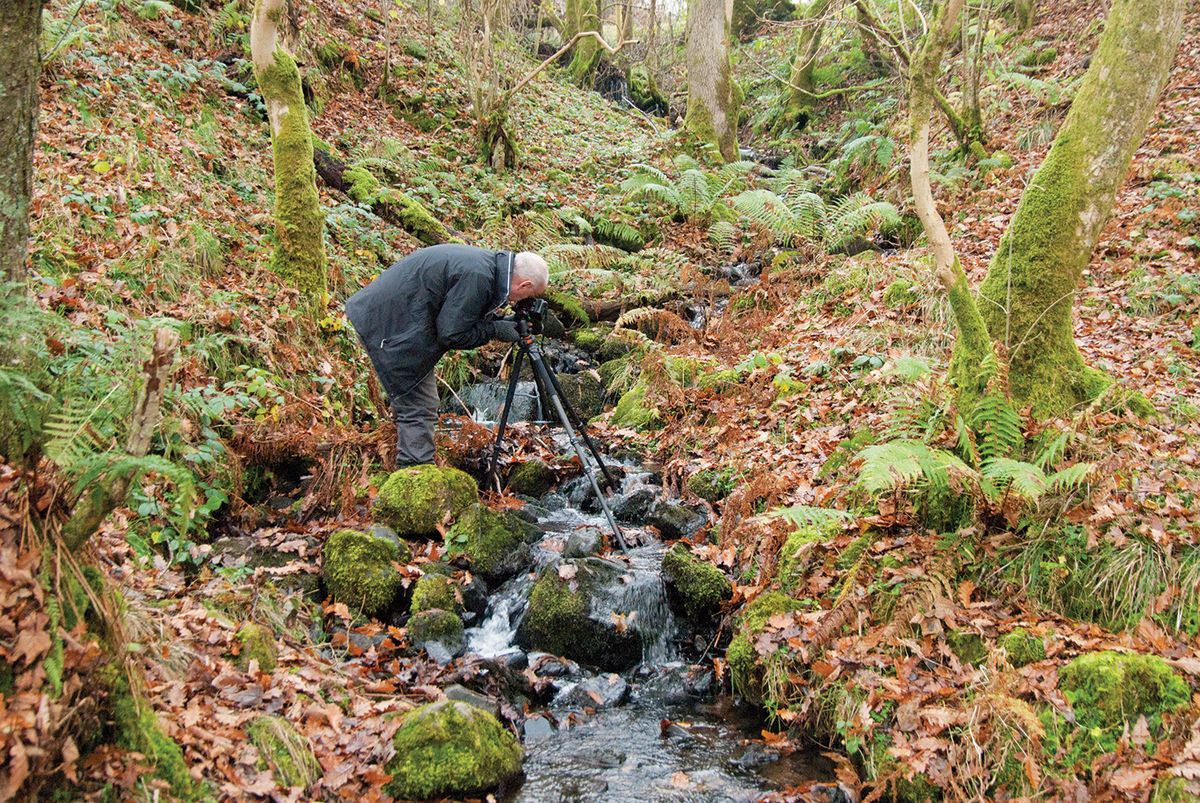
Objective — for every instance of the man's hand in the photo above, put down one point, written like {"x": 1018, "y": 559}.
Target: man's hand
{"x": 506, "y": 331}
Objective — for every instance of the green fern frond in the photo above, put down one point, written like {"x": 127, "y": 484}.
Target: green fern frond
{"x": 809, "y": 516}
{"x": 901, "y": 463}
{"x": 997, "y": 426}
{"x": 722, "y": 234}
{"x": 1072, "y": 478}
{"x": 72, "y": 435}
{"x": 619, "y": 233}
{"x": 855, "y": 216}
{"x": 1053, "y": 451}
{"x": 1024, "y": 479}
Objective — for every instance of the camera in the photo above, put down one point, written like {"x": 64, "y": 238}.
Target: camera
{"x": 531, "y": 311}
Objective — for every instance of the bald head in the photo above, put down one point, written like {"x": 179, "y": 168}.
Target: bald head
{"x": 530, "y": 276}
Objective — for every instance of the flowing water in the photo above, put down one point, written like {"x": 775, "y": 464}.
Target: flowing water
{"x": 670, "y": 741}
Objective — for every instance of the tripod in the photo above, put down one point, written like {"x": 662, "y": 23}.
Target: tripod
{"x": 549, "y": 390}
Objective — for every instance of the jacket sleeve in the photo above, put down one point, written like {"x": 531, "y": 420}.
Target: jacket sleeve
{"x": 461, "y": 321}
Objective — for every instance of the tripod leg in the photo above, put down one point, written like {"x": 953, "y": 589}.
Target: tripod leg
{"x": 539, "y": 369}
{"x": 508, "y": 400}
{"x": 582, "y": 426}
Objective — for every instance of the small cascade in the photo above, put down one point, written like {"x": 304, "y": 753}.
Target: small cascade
{"x": 484, "y": 402}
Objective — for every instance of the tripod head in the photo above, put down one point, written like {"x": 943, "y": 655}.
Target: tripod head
{"x": 530, "y": 315}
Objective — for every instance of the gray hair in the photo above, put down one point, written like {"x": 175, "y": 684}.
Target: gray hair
{"x": 529, "y": 266}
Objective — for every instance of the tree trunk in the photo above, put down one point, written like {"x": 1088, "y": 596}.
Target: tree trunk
{"x": 299, "y": 223}
{"x": 974, "y": 31}
{"x": 1027, "y": 297}
{"x": 20, "y": 65}
{"x": 712, "y": 106}
{"x": 587, "y": 51}
{"x": 800, "y": 96}
{"x": 1025, "y": 12}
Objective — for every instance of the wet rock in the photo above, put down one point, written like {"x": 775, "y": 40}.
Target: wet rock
{"x": 674, "y": 519}
{"x": 494, "y": 545}
{"x": 474, "y": 595}
{"x": 537, "y": 727}
{"x": 554, "y": 501}
{"x": 578, "y": 491}
{"x": 531, "y": 478}
{"x": 553, "y": 666}
{"x": 584, "y": 392}
{"x": 451, "y": 749}
{"x": 602, "y": 691}
{"x": 584, "y": 542}
{"x": 695, "y": 587}
{"x": 635, "y": 506}
{"x": 366, "y": 641}
{"x": 560, "y": 618}
{"x": 439, "y": 627}
{"x": 464, "y": 695}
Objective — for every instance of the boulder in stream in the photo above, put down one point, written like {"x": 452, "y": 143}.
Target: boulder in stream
{"x": 531, "y": 478}
{"x": 584, "y": 542}
{"x": 357, "y": 569}
{"x": 495, "y": 545}
{"x": 437, "y": 626}
{"x": 435, "y": 590}
{"x": 415, "y": 500}
{"x": 675, "y": 520}
{"x": 695, "y": 587}
{"x": 560, "y": 618}
{"x": 584, "y": 392}
{"x": 451, "y": 749}
{"x": 601, "y": 691}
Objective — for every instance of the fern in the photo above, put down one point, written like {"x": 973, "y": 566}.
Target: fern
{"x": 902, "y": 463}
{"x": 809, "y": 516}
{"x": 22, "y": 404}
{"x": 855, "y": 215}
{"x": 1072, "y": 478}
{"x": 1053, "y": 451}
{"x": 619, "y": 234}
{"x": 722, "y": 234}
{"x": 1024, "y": 479}
{"x": 997, "y": 426}
{"x": 72, "y": 435}
{"x": 112, "y": 465}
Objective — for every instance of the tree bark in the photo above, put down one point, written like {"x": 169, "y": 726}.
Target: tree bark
{"x": 20, "y": 66}
{"x": 712, "y": 106}
{"x": 586, "y": 56}
{"x": 299, "y": 222}
{"x": 1028, "y": 295}
{"x": 801, "y": 95}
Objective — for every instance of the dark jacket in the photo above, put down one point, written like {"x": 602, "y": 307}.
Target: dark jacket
{"x": 434, "y": 300}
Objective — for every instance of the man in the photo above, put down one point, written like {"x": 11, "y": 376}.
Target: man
{"x": 436, "y": 299}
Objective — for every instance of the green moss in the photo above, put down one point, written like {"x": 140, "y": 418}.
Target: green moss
{"x": 632, "y": 410}
{"x": 713, "y": 484}
{"x": 299, "y": 256}
{"x": 437, "y": 625}
{"x": 136, "y": 728}
{"x": 644, "y": 91}
{"x": 494, "y": 544}
{"x": 901, "y": 293}
{"x": 331, "y": 55}
{"x": 285, "y": 751}
{"x": 592, "y": 338}
{"x": 722, "y": 380}
{"x": 1172, "y": 790}
{"x": 1109, "y": 689}
{"x": 557, "y": 621}
{"x": 584, "y": 392}
{"x": 434, "y": 591}
{"x": 969, "y": 647}
{"x": 415, "y": 500}
{"x": 358, "y": 570}
{"x": 793, "y": 557}
{"x": 1022, "y": 647}
{"x": 258, "y": 644}
{"x": 450, "y": 749}
{"x": 745, "y": 666}
{"x": 531, "y": 478}
{"x": 698, "y": 585}
{"x": 568, "y": 306}
{"x": 365, "y": 188}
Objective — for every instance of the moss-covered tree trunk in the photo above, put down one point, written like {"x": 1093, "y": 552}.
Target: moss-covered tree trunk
{"x": 801, "y": 84}
{"x": 712, "y": 105}
{"x": 1024, "y": 12}
{"x": 587, "y": 51}
{"x": 299, "y": 223}
{"x": 1027, "y": 297}
{"x": 20, "y": 27}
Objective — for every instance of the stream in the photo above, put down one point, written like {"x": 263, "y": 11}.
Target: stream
{"x": 661, "y": 731}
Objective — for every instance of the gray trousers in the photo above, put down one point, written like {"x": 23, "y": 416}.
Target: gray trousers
{"x": 416, "y": 415}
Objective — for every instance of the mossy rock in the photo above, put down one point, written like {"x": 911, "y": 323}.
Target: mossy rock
{"x": 618, "y": 344}
{"x": 444, "y": 627}
{"x": 495, "y": 545}
{"x": 1108, "y": 690}
{"x": 632, "y": 411}
{"x": 793, "y": 557}
{"x": 285, "y": 751}
{"x": 695, "y": 587}
{"x": 592, "y": 338}
{"x": 531, "y": 478}
{"x": 901, "y": 293}
{"x": 584, "y": 391}
{"x": 415, "y": 500}
{"x": 435, "y": 590}
{"x": 969, "y": 647}
{"x": 1022, "y": 647}
{"x": 258, "y": 643}
{"x": 745, "y": 666}
{"x": 560, "y": 619}
{"x": 451, "y": 749}
{"x": 357, "y": 568}
{"x": 713, "y": 484}
{"x": 644, "y": 91}
{"x": 719, "y": 380}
